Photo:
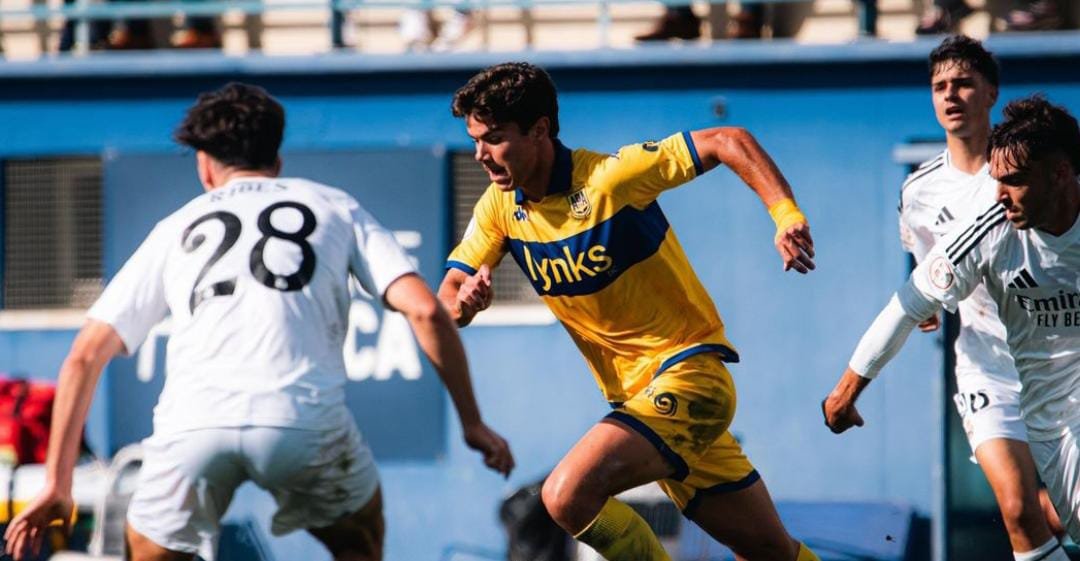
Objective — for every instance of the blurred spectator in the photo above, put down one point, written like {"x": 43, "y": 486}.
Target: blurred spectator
{"x": 943, "y": 17}
{"x": 781, "y": 19}
{"x": 1036, "y": 15}
{"x": 132, "y": 34}
{"x": 678, "y": 22}
{"x": 99, "y": 33}
{"x": 198, "y": 32}
{"x": 139, "y": 34}
{"x": 421, "y": 31}
{"x": 747, "y": 23}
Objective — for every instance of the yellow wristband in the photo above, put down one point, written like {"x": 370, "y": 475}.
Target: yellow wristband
{"x": 785, "y": 213}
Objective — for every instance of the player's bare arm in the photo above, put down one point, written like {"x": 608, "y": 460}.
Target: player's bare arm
{"x": 930, "y": 324}
{"x": 839, "y": 407}
{"x": 438, "y": 338}
{"x": 736, "y": 148}
{"x": 884, "y": 338}
{"x": 466, "y": 295}
{"x": 96, "y": 344}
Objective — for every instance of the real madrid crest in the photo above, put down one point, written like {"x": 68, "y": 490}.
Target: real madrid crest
{"x": 579, "y": 204}
{"x": 941, "y": 273}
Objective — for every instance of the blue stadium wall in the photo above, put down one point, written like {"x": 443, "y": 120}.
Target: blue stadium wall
{"x": 831, "y": 117}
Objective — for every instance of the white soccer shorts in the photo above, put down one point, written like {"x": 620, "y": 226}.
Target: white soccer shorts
{"x": 1059, "y": 466}
{"x": 188, "y": 479}
{"x": 989, "y": 410}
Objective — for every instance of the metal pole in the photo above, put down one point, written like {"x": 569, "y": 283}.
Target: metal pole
{"x": 337, "y": 22}
{"x": 82, "y": 30}
{"x": 603, "y": 21}
{"x": 868, "y": 12}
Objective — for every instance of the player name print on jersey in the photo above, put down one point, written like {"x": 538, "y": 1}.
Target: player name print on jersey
{"x": 376, "y": 346}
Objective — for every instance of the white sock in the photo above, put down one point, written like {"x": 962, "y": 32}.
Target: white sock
{"x": 1049, "y": 551}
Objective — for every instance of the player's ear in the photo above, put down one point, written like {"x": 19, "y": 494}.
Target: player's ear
{"x": 204, "y": 167}
{"x": 540, "y": 128}
{"x": 1063, "y": 172}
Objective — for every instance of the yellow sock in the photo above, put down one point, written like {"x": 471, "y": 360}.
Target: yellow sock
{"x": 805, "y": 554}
{"x": 619, "y": 534}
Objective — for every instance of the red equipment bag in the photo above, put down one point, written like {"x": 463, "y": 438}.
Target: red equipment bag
{"x": 25, "y": 417}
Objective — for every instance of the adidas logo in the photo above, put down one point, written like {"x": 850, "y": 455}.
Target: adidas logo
{"x": 1023, "y": 280}
{"x": 944, "y": 216}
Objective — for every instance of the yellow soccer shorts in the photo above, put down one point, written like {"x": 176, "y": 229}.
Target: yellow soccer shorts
{"x": 685, "y": 412}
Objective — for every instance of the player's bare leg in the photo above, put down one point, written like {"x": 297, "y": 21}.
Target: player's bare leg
{"x": 142, "y": 548}
{"x": 746, "y": 521}
{"x": 1053, "y": 519}
{"x": 609, "y": 459}
{"x": 1012, "y": 475}
{"x": 612, "y": 458}
{"x": 357, "y": 536}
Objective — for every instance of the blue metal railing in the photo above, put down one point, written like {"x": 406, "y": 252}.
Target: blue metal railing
{"x": 84, "y": 11}
{"x": 153, "y": 8}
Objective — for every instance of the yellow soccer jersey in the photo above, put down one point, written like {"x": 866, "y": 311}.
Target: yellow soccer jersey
{"x": 601, "y": 254}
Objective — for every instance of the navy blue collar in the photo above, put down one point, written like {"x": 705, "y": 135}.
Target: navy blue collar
{"x": 561, "y": 173}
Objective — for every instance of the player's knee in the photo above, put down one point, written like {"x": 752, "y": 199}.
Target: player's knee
{"x": 1021, "y": 515}
{"x": 569, "y": 502}
{"x": 557, "y": 497}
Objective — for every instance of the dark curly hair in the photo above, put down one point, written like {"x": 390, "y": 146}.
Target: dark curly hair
{"x": 966, "y": 52}
{"x": 513, "y": 92}
{"x": 1035, "y": 128}
{"x": 239, "y": 125}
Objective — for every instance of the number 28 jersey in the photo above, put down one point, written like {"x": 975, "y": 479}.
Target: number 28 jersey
{"x": 255, "y": 275}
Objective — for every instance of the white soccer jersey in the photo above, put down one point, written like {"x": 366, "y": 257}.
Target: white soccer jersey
{"x": 935, "y": 198}
{"x": 255, "y": 275}
{"x": 1034, "y": 278}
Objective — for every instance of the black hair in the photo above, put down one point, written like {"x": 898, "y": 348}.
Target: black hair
{"x": 513, "y": 92}
{"x": 1035, "y": 128}
{"x": 239, "y": 125}
{"x": 968, "y": 53}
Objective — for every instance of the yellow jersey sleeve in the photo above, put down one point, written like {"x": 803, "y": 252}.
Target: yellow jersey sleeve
{"x": 640, "y": 172}
{"x": 484, "y": 242}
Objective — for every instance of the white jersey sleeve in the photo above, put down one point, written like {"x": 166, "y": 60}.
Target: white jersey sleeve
{"x": 916, "y": 236}
{"x": 377, "y": 260}
{"x": 957, "y": 264}
{"x": 915, "y": 239}
{"x": 134, "y": 301}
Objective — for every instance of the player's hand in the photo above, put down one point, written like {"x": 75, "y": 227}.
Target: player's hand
{"x": 929, "y": 324}
{"x": 495, "y": 449}
{"x": 796, "y": 247}
{"x": 27, "y": 531}
{"x": 840, "y": 413}
{"x": 475, "y": 294}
